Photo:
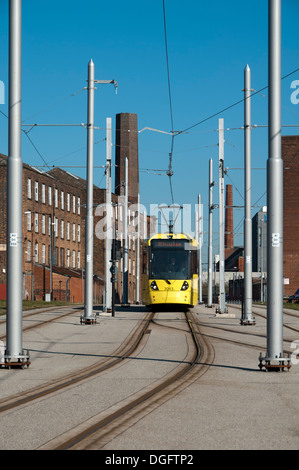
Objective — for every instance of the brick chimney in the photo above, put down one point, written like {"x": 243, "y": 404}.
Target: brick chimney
{"x": 126, "y": 140}
{"x": 229, "y": 222}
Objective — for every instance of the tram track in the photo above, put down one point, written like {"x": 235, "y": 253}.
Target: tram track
{"x": 130, "y": 397}
{"x": 44, "y": 321}
{"x": 249, "y": 332}
{"x": 259, "y": 314}
{"x": 61, "y": 383}
{"x": 102, "y": 428}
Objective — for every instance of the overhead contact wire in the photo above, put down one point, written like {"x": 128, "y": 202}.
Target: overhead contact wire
{"x": 169, "y": 171}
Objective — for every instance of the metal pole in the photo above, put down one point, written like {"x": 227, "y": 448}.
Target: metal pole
{"x": 51, "y": 258}
{"x": 262, "y": 265}
{"x": 138, "y": 252}
{"x": 125, "y": 267}
{"x": 89, "y": 317}
{"x": 14, "y": 351}
{"x": 199, "y": 251}
{"x": 247, "y": 318}
{"x": 82, "y": 285}
{"x": 222, "y": 307}
{"x": 210, "y": 255}
{"x": 274, "y": 197}
{"x": 109, "y": 234}
{"x": 113, "y": 273}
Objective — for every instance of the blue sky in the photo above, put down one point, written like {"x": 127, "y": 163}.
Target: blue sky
{"x": 209, "y": 45}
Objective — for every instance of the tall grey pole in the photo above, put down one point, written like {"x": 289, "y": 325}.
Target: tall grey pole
{"x": 89, "y": 317}
{"x": 14, "y": 352}
{"x": 125, "y": 266}
{"x": 138, "y": 252}
{"x": 210, "y": 254}
{"x": 222, "y": 308}
{"x": 275, "y": 354}
{"x": 199, "y": 250}
{"x": 109, "y": 226}
{"x": 262, "y": 264}
{"x": 247, "y": 318}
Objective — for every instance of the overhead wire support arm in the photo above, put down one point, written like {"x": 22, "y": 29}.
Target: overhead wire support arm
{"x": 108, "y": 82}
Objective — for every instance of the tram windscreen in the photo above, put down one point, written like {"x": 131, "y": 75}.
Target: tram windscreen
{"x": 169, "y": 260}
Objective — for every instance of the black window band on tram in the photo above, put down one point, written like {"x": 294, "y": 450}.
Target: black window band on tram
{"x": 170, "y": 259}
{"x": 181, "y": 244}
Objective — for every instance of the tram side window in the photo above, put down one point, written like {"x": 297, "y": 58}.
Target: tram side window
{"x": 194, "y": 264}
{"x": 144, "y": 261}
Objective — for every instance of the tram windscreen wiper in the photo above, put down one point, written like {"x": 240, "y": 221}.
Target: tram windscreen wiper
{"x": 168, "y": 282}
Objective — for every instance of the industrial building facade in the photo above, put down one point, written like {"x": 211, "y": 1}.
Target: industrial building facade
{"x": 290, "y": 156}
{"x": 54, "y": 228}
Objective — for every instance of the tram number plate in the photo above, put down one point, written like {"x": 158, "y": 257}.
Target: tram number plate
{"x": 168, "y": 288}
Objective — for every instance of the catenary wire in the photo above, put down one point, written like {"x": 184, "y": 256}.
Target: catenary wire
{"x": 169, "y": 172}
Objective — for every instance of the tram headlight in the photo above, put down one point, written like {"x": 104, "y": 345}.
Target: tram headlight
{"x": 154, "y": 285}
{"x": 185, "y": 285}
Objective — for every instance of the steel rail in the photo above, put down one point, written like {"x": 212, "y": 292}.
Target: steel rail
{"x": 125, "y": 350}
{"x": 42, "y": 323}
{"x": 172, "y": 385}
{"x": 259, "y": 314}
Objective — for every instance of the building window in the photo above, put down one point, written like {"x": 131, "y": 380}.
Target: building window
{"x": 43, "y": 224}
{"x": 36, "y": 223}
{"x": 29, "y": 188}
{"x": 29, "y": 221}
{"x": 43, "y": 193}
{"x": 50, "y": 226}
{"x": 68, "y": 202}
{"x": 36, "y": 190}
{"x": 28, "y": 250}
{"x": 78, "y": 260}
{"x": 79, "y": 233}
{"x": 79, "y": 204}
{"x": 68, "y": 231}
{"x": 74, "y": 204}
{"x": 56, "y": 197}
{"x": 36, "y": 252}
{"x": 43, "y": 254}
{"x": 74, "y": 232}
{"x": 68, "y": 257}
{"x": 62, "y": 257}
{"x": 49, "y": 195}
{"x": 62, "y": 200}
{"x": 62, "y": 229}
{"x": 74, "y": 259}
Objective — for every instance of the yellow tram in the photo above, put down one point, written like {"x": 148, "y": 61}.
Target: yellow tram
{"x": 170, "y": 271}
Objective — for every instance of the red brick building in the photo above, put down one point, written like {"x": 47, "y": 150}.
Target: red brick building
{"x": 54, "y": 226}
{"x": 290, "y": 156}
